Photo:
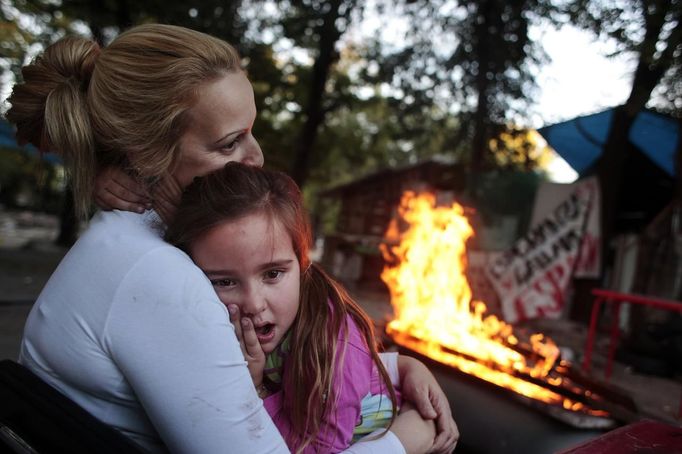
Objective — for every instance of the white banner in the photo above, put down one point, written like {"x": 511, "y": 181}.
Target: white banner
{"x": 546, "y": 199}
{"x": 532, "y": 277}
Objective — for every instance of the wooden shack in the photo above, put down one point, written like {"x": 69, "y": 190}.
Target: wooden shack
{"x": 351, "y": 253}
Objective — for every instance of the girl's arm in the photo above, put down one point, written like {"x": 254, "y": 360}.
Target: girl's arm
{"x": 419, "y": 386}
{"x": 413, "y": 426}
{"x": 338, "y": 438}
{"x": 351, "y": 383}
{"x": 430, "y": 403}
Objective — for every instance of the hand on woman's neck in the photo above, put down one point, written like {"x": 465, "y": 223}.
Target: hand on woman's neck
{"x": 166, "y": 196}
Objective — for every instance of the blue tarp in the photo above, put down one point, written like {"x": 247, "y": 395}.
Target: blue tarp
{"x": 580, "y": 140}
{"x": 7, "y": 140}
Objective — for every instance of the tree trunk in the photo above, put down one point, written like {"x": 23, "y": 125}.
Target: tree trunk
{"x": 678, "y": 163}
{"x": 610, "y": 167}
{"x": 314, "y": 113}
{"x": 651, "y": 67}
{"x": 481, "y": 120}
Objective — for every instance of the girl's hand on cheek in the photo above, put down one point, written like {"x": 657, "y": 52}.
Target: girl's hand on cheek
{"x": 248, "y": 341}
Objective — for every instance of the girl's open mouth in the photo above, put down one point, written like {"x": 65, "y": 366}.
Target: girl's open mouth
{"x": 265, "y": 332}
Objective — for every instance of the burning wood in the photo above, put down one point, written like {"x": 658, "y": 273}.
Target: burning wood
{"x": 425, "y": 252}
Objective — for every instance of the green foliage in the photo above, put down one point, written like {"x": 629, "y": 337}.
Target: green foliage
{"x": 473, "y": 56}
{"x": 26, "y": 181}
{"x": 668, "y": 95}
{"x": 371, "y": 134}
{"x": 428, "y": 110}
{"x": 520, "y": 149}
{"x": 506, "y": 193}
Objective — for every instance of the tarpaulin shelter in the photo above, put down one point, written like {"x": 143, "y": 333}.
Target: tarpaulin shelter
{"x": 650, "y": 162}
{"x": 579, "y": 141}
{"x": 9, "y": 141}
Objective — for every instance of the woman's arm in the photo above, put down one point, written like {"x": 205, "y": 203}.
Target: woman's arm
{"x": 172, "y": 339}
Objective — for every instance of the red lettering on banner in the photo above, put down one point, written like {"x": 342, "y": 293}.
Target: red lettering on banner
{"x": 520, "y": 306}
{"x": 589, "y": 253}
{"x": 532, "y": 277}
{"x": 552, "y": 284}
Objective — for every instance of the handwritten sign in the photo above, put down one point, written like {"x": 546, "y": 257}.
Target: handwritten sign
{"x": 531, "y": 277}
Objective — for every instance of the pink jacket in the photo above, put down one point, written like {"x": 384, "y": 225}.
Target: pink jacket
{"x": 353, "y": 380}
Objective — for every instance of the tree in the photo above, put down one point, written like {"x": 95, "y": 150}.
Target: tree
{"x": 520, "y": 149}
{"x": 476, "y": 56}
{"x": 316, "y": 26}
{"x": 305, "y": 107}
{"x": 652, "y": 31}
{"x": 26, "y": 28}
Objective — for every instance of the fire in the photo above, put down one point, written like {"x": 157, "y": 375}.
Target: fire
{"x": 425, "y": 252}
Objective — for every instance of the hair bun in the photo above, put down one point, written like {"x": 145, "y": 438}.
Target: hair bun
{"x": 64, "y": 66}
{"x": 73, "y": 58}
{"x": 49, "y": 108}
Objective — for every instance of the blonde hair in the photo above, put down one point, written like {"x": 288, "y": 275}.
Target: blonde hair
{"x": 125, "y": 104}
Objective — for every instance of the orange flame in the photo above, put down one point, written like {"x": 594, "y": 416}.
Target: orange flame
{"x": 425, "y": 252}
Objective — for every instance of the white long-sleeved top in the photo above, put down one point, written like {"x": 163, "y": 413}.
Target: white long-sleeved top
{"x": 131, "y": 330}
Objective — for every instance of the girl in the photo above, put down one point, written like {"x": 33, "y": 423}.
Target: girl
{"x": 246, "y": 228}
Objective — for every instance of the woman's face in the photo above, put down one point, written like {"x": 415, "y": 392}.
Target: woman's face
{"x": 251, "y": 263}
{"x": 219, "y": 129}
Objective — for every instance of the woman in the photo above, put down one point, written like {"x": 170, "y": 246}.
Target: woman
{"x": 127, "y": 326}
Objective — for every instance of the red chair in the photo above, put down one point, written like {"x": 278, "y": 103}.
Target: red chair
{"x": 616, "y": 300}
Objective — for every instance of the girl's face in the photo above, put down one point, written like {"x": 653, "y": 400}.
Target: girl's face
{"x": 219, "y": 129}
{"x": 251, "y": 263}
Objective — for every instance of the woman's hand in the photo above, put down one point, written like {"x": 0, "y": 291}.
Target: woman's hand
{"x": 116, "y": 190}
{"x": 419, "y": 386}
{"x": 167, "y": 194}
{"x": 251, "y": 348}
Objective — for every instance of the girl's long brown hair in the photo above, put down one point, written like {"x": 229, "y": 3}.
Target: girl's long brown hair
{"x": 237, "y": 191}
